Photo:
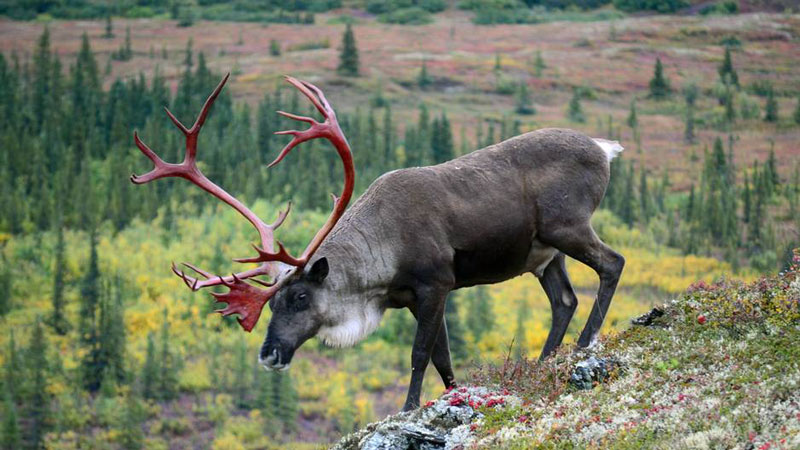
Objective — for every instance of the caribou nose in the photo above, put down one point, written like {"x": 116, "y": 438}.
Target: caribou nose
{"x": 273, "y": 361}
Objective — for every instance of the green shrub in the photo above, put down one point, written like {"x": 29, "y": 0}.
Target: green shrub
{"x": 489, "y": 16}
{"x": 662, "y": 6}
{"x": 407, "y": 16}
{"x": 731, "y": 41}
{"x": 749, "y": 107}
{"x": 140, "y": 12}
{"x": 433, "y": 6}
{"x": 760, "y": 87}
{"x": 723, "y": 7}
{"x": 310, "y": 45}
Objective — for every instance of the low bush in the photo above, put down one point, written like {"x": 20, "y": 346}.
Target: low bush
{"x": 662, "y": 6}
{"x": 407, "y": 16}
{"x": 723, "y": 7}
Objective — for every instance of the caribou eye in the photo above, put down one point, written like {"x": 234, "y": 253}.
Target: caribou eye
{"x": 300, "y": 302}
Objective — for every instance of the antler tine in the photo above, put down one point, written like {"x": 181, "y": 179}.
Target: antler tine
{"x": 177, "y": 122}
{"x": 201, "y": 119}
{"x": 281, "y": 216}
{"x": 190, "y": 282}
{"x": 295, "y": 117}
{"x": 321, "y": 96}
{"x": 159, "y": 166}
{"x": 303, "y": 87}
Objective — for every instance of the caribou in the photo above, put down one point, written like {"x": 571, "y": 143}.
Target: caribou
{"x": 413, "y": 236}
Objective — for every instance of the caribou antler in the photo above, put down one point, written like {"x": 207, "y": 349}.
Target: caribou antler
{"x": 243, "y": 298}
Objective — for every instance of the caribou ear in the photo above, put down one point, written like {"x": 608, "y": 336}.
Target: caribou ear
{"x": 318, "y": 271}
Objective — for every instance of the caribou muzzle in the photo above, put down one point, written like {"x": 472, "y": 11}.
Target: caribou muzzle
{"x": 276, "y": 356}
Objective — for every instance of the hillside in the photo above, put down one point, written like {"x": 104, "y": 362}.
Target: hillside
{"x": 719, "y": 369}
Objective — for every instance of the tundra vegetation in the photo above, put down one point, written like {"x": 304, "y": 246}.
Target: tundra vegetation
{"x": 103, "y": 347}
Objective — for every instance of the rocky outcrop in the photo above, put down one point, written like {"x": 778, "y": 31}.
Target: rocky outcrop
{"x": 448, "y": 423}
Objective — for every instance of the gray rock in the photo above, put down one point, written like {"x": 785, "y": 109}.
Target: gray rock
{"x": 444, "y": 424}
{"x": 591, "y": 370}
{"x": 645, "y": 320}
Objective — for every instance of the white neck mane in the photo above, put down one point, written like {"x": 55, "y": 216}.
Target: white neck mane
{"x": 354, "y": 328}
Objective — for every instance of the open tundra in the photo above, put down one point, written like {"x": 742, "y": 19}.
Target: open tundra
{"x": 415, "y": 235}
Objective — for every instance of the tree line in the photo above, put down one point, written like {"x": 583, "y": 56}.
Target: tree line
{"x": 57, "y": 168}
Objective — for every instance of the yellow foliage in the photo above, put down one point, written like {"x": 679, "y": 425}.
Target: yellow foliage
{"x": 194, "y": 377}
{"x": 227, "y": 441}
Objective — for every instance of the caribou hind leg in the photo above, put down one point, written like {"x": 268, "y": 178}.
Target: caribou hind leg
{"x": 563, "y": 302}
{"x": 441, "y": 357}
{"x": 580, "y": 242}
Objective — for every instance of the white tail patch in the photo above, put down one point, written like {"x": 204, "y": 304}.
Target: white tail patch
{"x": 612, "y": 148}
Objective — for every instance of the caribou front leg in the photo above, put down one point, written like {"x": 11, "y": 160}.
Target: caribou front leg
{"x": 430, "y": 317}
{"x": 440, "y": 357}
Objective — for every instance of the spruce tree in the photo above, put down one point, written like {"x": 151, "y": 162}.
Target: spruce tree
{"x": 11, "y": 435}
{"x": 12, "y": 370}
{"x": 38, "y": 403}
{"x": 730, "y": 111}
{"x": 5, "y": 286}
{"x": 423, "y": 138}
{"x": 659, "y": 85}
{"x": 389, "y": 161}
{"x": 455, "y": 330}
{"x": 42, "y": 72}
{"x": 627, "y": 207}
{"x": 746, "y": 200}
{"x": 423, "y": 78}
{"x": 441, "y": 140}
{"x": 128, "y": 47}
{"x": 348, "y": 58}
{"x": 150, "y": 370}
{"x": 131, "y": 436}
{"x": 771, "y": 168}
{"x": 575, "y": 111}
{"x": 87, "y": 65}
{"x": 480, "y": 317}
{"x": 633, "y": 119}
{"x": 286, "y": 400}
{"x": 274, "y": 47}
{"x": 58, "y": 321}
{"x": 771, "y": 110}
{"x": 796, "y": 115}
{"x": 264, "y": 397}
{"x": 90, "y": 300}
{"x": 520, "y": 338}
{"x": 645, "y": 202}
{"x": 109, "y": 27}
{"x": 169, "y": 365}
{"x": 690, "y": 204}
{"x": 727, "y": 73}
{"x": 690, "y": 95}
{"x": 112, "y": 334}
{"x": 241, "y": 371}
{"x": 522, "y": 100}
{"x": 539, "y": 64}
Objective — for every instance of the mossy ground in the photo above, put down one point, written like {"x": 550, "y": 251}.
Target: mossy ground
{"x": 720, "y": 369}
